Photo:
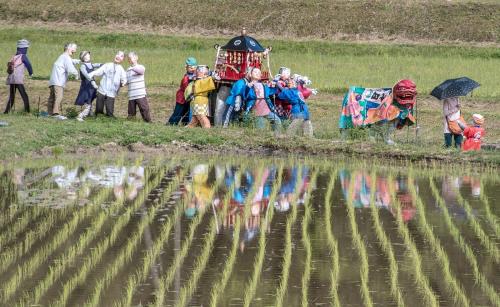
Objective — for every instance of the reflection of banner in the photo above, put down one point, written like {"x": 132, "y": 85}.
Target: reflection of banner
{"x": 364, "y": 106}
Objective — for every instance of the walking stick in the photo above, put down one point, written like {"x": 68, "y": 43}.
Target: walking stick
{"x": 416, "y": 121}
{"x": 38, "y": 111}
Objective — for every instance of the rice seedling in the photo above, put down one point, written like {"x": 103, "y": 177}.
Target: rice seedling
{"x": 167, "y": 279}
{"x": 150, "y": 257}
{"x": 490, "y": 217}
{"x": 386, "y": 246}
{"x": 29, "y": 266}
{"x": 485, "y": 240}
{"x": 102, "y": 246}
{"x": 252, "y": 284}
{"x": 125, "y": 254}
{"x": 220, "y": 285}
{"x": 287, "y": 255}
{"x": 360, "y": 247}
{"x": 332, "y": 242}
{"x": 201, "y": 262}
{"x": 488, "y": 289}
{"x": 457, "y": 293}
{"x": 307, "y": 243}
{"x": 422, "y": 282}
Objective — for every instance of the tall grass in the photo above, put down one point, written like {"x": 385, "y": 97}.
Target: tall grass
{"x": 386, "y": 246}
{"x": 359, "y": 246}
{"x": 479, "y": 277}
{"x": 352, "y": 63}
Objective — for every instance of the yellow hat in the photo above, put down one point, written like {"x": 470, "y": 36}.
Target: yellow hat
{"x": 478, "y": 119}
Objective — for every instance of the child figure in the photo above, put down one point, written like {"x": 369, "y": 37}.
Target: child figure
{"x": 88, "y": 87}
{"x": 473, "y": 134}
{"x": 182, "y": 110}
{"x": 199, "y": 90}
{"x": 299, "y": 110}
{"x": 257, "y": 98}
{"x": 282, "y": 80}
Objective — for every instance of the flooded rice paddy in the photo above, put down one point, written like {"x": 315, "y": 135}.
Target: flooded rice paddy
{"x": 197, "y": 232}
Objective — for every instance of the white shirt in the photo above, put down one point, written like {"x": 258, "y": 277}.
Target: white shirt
{"x": 113, "y": 76}
{"x": 63, "y": 66}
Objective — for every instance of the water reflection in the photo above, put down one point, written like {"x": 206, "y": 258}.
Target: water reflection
{"x": 229, "y": 192}
{"x": 363, "y": 183}
{"x": 60, "y": 186}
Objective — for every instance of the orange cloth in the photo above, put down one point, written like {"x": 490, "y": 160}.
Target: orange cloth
{"x": 473, "y": 141}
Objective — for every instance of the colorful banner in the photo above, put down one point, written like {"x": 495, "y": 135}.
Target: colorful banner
{"x": 362, "y": 107}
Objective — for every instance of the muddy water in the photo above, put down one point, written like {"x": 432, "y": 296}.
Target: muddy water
{"x": 228, "y": 234}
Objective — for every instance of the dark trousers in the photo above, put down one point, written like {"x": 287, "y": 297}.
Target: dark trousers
{"x": 181, "y": 112}
{"x": 143, "y": 105}
{"x": 448, "y": 137}
{"x": 12, "y": 97}
{"x": 104, "y": 101}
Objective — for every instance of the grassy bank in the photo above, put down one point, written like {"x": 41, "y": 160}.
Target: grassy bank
{"x": 332, "y": 66}
{"x": 412, "y": 19}
{"x": 27, "y": 135}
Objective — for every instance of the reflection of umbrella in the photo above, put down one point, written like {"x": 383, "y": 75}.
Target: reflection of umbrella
{"x": 243, "y": 43}
{"x": 454, "y": 88}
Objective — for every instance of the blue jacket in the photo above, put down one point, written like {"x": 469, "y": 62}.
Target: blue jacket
{"x": 239, "y": 89}
{"x": 25, "y": 59}
{"x": 251, "y": 97}
{"x": 299, "y": 106}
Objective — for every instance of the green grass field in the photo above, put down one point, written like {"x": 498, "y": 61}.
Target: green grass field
{"x": 333, "y": 66}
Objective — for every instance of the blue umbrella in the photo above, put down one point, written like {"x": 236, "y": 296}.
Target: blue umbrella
{"x": 454, "y": 88}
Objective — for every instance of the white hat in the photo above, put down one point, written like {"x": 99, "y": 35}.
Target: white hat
{"x": 23, "y": 43}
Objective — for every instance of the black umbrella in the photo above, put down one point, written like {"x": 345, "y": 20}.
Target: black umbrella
{"x": 243, "y": 43}
{"x": 454, "y": 88}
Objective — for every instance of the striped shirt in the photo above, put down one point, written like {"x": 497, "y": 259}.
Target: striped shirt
{"x": 135, "y": 81}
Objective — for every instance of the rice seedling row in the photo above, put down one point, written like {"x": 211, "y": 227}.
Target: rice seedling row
{"x": 221, "y": 283}
{"x": 287, "y": 255}
{"x": 125, "y": 254}
{"x": 490, "y": 217}
{"x": 150, "y": 257}
{"x": 306, "y": 240}
{"x": 27, "y": 268}
{"x": 24, "y": 245}
{"x": 479, "y": 277}
{"x": 101, "y": 247}
{"x": 491, "y": 247}
{"x": 360, "y": 247}
{"x": 386, "y": 246}
{"x": 457, "y": 293}
{"x": 252, "y": 284}
{"x": 168, "y": 277}
{"x": 422, "y": 282}
{"x": 332, "y": 242}
{"x": 201, "y": 262}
